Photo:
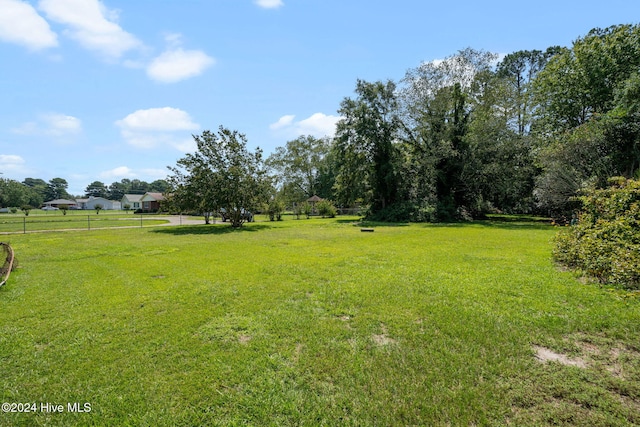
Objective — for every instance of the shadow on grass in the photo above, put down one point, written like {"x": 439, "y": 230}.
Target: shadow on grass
{"x": 364, "y": 223}
{"x": 183, "y": 230}
{"x": 511, "y": 223}
{"x": 514, "y": 225}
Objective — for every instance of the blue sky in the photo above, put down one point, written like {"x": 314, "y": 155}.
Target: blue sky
{"x": 112, "y": 89}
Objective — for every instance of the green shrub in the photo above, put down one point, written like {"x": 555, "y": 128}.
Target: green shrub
{"x": 306, "y": 209}
{"x": 605, "y": 242}
{"x": 404, "y": 212}
{"x": 275, "y": 208}
{"x": 326, "y": 209}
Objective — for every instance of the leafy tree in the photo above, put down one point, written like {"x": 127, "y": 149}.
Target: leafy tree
{"x": 275, "y": 208}
{"x": 38, "y": 190}
{"x": 117, "y": 190}
{"x": 98, "y": 207}
{"x": 580, "y": 82}
{"x": 365, "y": 140}
{"x": 57, "y": 189}
{"x": 159, "y": 186}
{"x": 588, "y": 115}
{"x": 499, "y": 170}
{"x": 306, "y": 209}
{"x": 518, "y": 70}
{"x": 221, "y": 174}
{"x": 438, "y": 102}
{"x": 97, "y": 189}
{"x": 13, "y": 193}
{"x": 137, "y": 186}
{"x": 299, "y": 166}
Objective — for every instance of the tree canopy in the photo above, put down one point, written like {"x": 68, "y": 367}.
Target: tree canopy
{"x": 221, "y": 175}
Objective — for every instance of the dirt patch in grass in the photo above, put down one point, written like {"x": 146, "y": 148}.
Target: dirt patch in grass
{"x": 383, "y": 339}
{"x": 604, "y": 391}
{"x": 545, "y": 355}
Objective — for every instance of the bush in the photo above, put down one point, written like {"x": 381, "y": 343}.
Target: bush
{"x": 326, "y": 209}
{"x": 306, "y": 209}
{"x": 605, "y": 242}
{"x": 275, "y": 208}
{"x": 405, "y": 212}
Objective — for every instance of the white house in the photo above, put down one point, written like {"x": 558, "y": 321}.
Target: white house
{"x": 92, "y": 202}
{"x": 71, "y": 204}
{"x": 132, "y": 200}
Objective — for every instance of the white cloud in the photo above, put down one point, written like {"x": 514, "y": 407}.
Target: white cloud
{"x": 269, "y": 4}
{"x": 156, "y": 126}
{"x": 318, "y": 125}
{"x": 21, "y": 24}
{"x": 158, "y": 119}
{"x": 153, "y": 174}
{"x": 91, "y": 24}
{"x": 283, "y": 122}
{"x": 51, "y": 124}
{"x": 118, "y": 173}
{"x": 60, "y": 124}
{"x": 122, "y": 172}
{"x": 10, "y": 163}
{"x": 178, "y": 64}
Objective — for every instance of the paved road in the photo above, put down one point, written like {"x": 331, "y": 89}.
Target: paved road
{"x": 180, "y": 220}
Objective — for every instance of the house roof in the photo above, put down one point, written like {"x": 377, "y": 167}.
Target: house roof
{"x": 61, "y": 202}
{"x": 133, "y": 197}
{"x": 314, "y": 198}
{"x": 151, "y": 197}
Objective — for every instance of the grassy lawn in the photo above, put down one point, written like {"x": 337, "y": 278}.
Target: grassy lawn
{"x": 80, "y": 220}
{"x": 313, "y": 322}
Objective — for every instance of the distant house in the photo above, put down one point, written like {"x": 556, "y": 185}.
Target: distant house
{"x": 151, "y": 202}
{"x": 91, "y": 203}
{"x": 313, "y": 200}
{"x": 71, "y": 204}
{"x": 132, "y": 200}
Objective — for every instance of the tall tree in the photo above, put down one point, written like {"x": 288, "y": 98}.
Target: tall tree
{"x": 589, "y": 126}
{"x": 13, "y": 193}
{"x": 366, "y": 138}
{"x": 580, "y": 82}
{"x": 117, "y": 190}
{"x": 519, "y": 69}
{"x": 159, "y": 186}
{"x": 38, "y": 190}
{"x": 299, "y": 165}
{"x": 57, "y": 189}
{"x": 97, "y": 189}
{"x": 221, "y": 175}
{"x": 438, "y": 100}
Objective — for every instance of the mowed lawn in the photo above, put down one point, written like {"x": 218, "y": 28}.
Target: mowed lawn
{"x": 313, "y": 322}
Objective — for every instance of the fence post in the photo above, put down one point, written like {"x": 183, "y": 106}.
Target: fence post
{"x": 88, "y": 222}
{"x": 24, "y": 225}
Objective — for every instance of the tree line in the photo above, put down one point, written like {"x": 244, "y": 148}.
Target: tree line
{"x": 34, "y": 192}
{"x": 454, "y": 139}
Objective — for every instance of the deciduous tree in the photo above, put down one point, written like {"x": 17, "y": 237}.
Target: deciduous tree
{"x": 221, "y": 174}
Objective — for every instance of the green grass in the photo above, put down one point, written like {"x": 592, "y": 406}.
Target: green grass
{"x": 78, "y": 220}
{"x": 313, "y": 322}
